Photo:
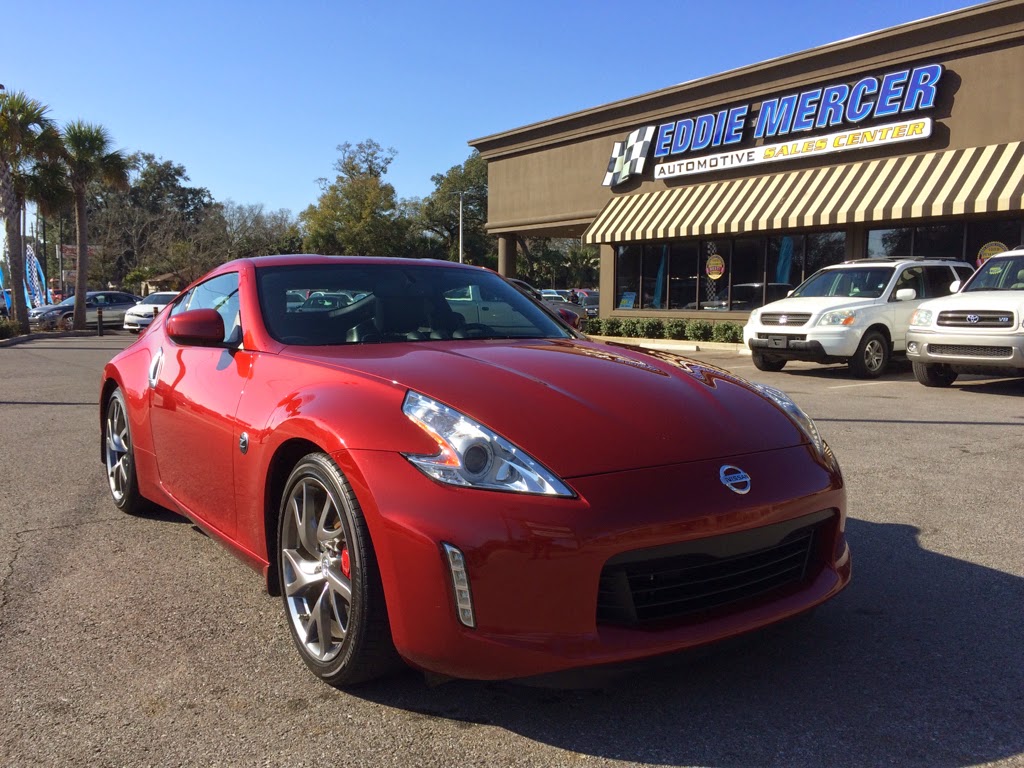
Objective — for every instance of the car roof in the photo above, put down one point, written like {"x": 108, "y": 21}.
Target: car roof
{"x": 893, "y": 260}
{"x": 315, "y": 259}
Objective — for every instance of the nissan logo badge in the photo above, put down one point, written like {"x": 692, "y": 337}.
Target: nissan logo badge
{"x": 734, "y": 478}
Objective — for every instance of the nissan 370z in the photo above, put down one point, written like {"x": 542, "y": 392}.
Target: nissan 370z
{"x": 393, "y": 444}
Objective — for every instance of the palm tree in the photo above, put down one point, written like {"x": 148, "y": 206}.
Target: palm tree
{"x": 27, "y": 136}
{"x": 89, "y": 158}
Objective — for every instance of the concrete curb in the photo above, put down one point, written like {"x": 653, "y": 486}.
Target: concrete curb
{"x": 674, "y": 345}
{"x": 13, "y": 341}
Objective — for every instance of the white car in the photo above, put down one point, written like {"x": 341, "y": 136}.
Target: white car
{"x": 856, "y": 312}
{"x": 980, "y": 329}
{"x": 141, "y": 315}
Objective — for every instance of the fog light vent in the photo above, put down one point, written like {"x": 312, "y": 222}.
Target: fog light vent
{"x": 460, "y": 585}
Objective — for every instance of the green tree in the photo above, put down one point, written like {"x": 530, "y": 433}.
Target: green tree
{"x": 89, "y": 158}
{"x": 357, "y": 213}
{"x": 136, "y": 228}
{"x": 27, "y": 138}
{"x": 438, "y": 215}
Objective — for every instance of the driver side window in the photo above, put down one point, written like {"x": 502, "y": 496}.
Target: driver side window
{"x": 218, "y": 293}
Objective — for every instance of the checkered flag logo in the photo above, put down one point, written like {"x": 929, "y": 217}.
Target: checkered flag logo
{"x": 628, "y": 156}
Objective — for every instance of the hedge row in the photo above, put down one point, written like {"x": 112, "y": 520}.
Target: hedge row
{"x": 694, "y": 329}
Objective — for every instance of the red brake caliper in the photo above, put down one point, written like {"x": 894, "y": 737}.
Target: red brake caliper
{"x": 346, "y": 564}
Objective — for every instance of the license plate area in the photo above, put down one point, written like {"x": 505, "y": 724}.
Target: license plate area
{"x": 777, "y": 342}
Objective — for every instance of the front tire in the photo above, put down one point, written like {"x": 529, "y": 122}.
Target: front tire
{"x": 119, "y": 457}
{"x": 872, "y": 356}
{"x": 765, "y": 363}
{"x": 934, "y": 375}
{"x": 329, "y": 579}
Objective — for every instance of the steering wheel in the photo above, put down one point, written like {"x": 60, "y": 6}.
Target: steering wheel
{"x": 472, "y": 331}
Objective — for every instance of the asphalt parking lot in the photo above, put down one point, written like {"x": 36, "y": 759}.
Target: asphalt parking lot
{"x": 138, "y": 641}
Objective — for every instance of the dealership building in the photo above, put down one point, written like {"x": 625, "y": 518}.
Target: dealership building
{"x": 720, "y": 194}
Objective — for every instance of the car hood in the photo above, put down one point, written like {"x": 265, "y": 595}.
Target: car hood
{"x": 994, "y": 300}
{"x": 581, "y": 407}
{"x": 816, "y": 304}
{"x": 45, "y": 308}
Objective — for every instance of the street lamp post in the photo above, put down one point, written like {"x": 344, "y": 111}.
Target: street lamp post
{"x": 461, "y": 195}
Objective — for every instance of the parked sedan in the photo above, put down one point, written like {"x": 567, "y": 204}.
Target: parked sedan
{"x": 141, "y": 315}
{"x": 113, "y": 303}
{"x": 379, "y": 472}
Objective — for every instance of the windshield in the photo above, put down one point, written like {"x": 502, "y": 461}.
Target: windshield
{"x": 856, "y": 283}
{"x": 158, "y": 298}
{"x": 69, "y": 301}
{"x": 998, "y": 275}
{"x": 376, "y": 303}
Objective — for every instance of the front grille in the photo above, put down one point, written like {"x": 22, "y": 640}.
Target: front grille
{"x": 976, "y": 318}
{"x": 785, "y": 318}
{"x": 964, "y": 350}
{"x": 716, "y": 572}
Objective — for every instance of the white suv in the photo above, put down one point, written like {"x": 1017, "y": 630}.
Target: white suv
{"x": 856, "y": 312}
{"x": 978, "y": 330}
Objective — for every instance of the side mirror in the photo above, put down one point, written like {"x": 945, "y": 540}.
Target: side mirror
{"x": 203, "y": 327}
{"x": 954, "y": 286}
{"x": 906, "y": 294}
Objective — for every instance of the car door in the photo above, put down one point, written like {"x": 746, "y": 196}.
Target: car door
{"x": 194, "y": 395}
{"x": 909, "y": 277}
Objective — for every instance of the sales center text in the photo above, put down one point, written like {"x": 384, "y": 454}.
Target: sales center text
{"x": 750, "y": 156}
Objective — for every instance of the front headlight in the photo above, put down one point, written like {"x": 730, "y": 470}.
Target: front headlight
{"x": 799, "y": 417}
{"x": 839, "y": 317}
{"x": 470, "y": 454}
{"x": 921, "y": 317}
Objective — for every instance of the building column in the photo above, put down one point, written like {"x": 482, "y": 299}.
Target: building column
{"x": 507, "y": 255}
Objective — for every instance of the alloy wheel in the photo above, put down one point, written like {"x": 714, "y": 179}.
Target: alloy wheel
{"x": 316, "y": 568}
{"x": 118, "y": 450}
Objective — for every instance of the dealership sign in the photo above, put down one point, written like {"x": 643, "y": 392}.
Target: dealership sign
{"x": 679, "y": 145}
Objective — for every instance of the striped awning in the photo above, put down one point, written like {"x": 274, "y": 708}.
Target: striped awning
{"x": 954, "y": 182}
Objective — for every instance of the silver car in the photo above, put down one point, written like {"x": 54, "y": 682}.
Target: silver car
{"x": 113, "y": 303}
{"x": 142, "y": 314}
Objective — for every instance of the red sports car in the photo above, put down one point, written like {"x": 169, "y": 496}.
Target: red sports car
{"x": 402, "y": 465}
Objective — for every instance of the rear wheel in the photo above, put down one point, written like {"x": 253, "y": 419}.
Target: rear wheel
{"x": 934, "y": 375}
{"x": 764, "y": 363}
{"x": 330, "y": 582}
{"x": 872, "y": 356}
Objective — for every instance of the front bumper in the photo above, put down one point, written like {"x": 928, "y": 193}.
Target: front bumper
{"x": 137, "y": 322}
{"x": 809, "y": 343}
{"x": 537, "y": 565}
{"x": 971, "y": 350}
{"x": 43, "y": 321}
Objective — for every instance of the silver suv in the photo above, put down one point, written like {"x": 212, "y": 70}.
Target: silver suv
{"x": 979, "y": 329}
{"x": 856, "y": 312}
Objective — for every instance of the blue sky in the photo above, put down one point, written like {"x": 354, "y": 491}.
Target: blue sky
{"x": 253, "y": 97}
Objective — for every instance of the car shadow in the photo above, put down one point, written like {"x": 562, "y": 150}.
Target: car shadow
{"x": 916, "y": 663}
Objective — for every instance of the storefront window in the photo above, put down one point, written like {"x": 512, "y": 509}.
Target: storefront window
{"x": 939, "y": 241}
{"x": 684, "y": 275}
{"x": 654, "y": 280}
{"x": 748, "y": 271}
{"x": 627, "y": 276}
{"x": 822, "y": 249}
{"x": 785, "y": 259}
{"x": 887, "y": 243}
{"x": 715, "y": 270}
{"x": 985, "y": 238}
